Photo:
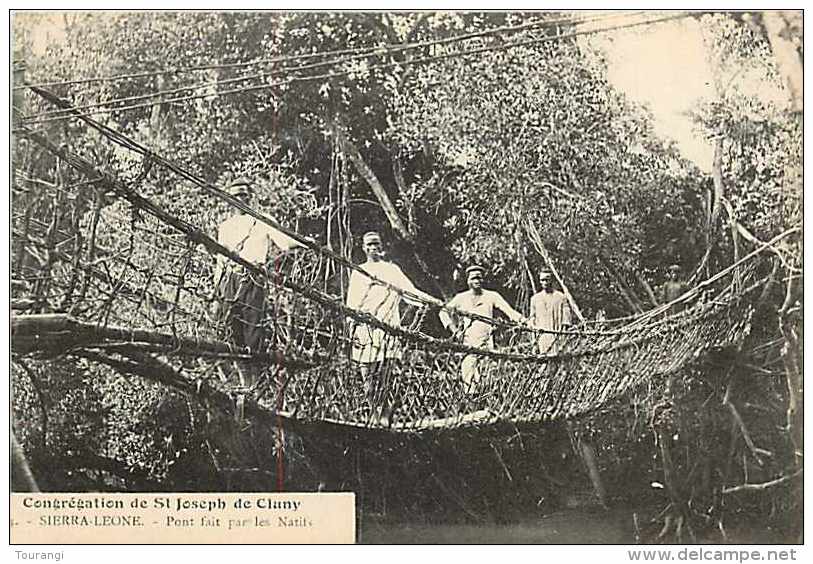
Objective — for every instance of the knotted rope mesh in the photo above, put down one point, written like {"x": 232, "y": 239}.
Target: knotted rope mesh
{"x": 98, "y": 266}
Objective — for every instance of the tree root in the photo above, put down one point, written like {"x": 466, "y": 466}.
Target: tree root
{"x": 676, "y": 528}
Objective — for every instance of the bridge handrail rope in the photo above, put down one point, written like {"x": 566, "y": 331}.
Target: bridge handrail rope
{"x": 132, "y": 145}
{"x": 312, "y": 368}
{"x": 332, "y": 301}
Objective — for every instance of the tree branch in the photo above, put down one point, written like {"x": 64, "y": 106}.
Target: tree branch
{"x": 751, "y": 238}
{"x": 369, "y": 176}
{"x": 647, "y": 288}
{"x": 380, "y": 192}
{"x": 59, "y": 333}
{"x": 763, "y": 485}
{"x": 536, "y": 239}
{"x": 22, "y": 479}
{"x": 622, "y": 287}
{"x": 735, "y": 415}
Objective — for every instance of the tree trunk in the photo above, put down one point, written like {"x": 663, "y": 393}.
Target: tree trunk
{"x": 716, "y": 197}
{"x": 791, "y": 358}
{"x": 398, "y": 174}
{"x": 369, "y": 176}
{"x": 785, "y": 53}
{"x": 22, "y": 479}
{"x": 394, "y": 219}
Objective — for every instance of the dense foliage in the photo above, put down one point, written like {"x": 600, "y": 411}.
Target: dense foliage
{"x": 478, "y": 153}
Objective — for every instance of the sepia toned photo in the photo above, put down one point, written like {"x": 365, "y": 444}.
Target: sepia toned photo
{"x": 407, "y": 277}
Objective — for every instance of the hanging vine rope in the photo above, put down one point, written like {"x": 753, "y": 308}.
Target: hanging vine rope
{"x": 327, "y": 76}
{"x": 364, "y": 52}
{"x": 152, "y": 294}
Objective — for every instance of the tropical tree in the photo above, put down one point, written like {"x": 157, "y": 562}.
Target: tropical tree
{"x": 467, "y": 137}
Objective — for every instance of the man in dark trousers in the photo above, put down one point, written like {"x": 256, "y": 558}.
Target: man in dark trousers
{"x": 242, "y": 293}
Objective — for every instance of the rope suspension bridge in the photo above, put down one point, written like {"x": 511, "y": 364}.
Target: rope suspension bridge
{"x": 172, "y": 332}
{"x": 104, "y": 272}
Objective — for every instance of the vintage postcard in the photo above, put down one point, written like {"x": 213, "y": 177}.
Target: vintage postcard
{"x": 406, "y": 277}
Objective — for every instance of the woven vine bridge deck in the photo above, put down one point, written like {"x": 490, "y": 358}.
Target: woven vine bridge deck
{"x": 116, "y": 274}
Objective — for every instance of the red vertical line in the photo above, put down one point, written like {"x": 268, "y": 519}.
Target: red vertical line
{"x": 280, "y": 389}
{"x": 279, "y": 352}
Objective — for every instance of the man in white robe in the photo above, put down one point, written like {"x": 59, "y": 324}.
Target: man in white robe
{"x": 550, "y": 311}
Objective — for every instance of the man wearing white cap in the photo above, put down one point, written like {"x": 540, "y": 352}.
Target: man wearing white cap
{"x": 475, "y": 332}
{"x": 372, "y": 346}
{"x": 550, "y": 311}
{"x": 242, "y": 293}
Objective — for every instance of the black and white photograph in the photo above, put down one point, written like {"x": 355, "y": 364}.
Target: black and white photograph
{"x": 506, "y": 277}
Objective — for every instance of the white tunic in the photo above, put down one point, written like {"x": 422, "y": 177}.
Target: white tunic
{"x": 549, "y": 311}
{"x": 372, "y": 344}
{"x": 249, "y": 238}
{"x": 477, "y": 333}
